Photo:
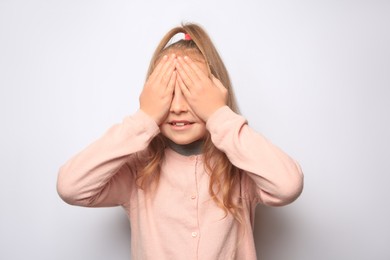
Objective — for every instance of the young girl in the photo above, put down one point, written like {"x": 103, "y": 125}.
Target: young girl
{"x": 186, "y": 167}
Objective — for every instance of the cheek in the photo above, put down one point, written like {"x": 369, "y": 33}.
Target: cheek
{"x": 202, "y": 130}
{"x": 163, "y": 129}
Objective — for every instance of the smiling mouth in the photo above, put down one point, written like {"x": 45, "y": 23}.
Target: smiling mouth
{"x": 180, "y": 123}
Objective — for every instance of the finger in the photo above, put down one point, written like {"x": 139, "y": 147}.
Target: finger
{"x": 183, "y": 87}
{"x": 187, "y": 68}
{"x": 161, "y": 69}
{"x": 172, "y": 82}
{"x": 167, "y": 70}
{"x": 195, "y": 68}
{"x": 158, "y": 68}
{"x": 217, "y": 83}
{"x": 184, "y": 71}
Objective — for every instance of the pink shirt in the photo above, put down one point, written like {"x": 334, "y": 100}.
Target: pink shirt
{"x": 180, "y": 220}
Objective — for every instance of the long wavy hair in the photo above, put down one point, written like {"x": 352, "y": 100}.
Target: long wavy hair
{"x": 224, "y": 176}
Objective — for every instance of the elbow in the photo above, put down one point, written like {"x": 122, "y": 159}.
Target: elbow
{"x": 292, "y": 188}
{"x": 286, "y": 193}
{"x": 66, "y": 188}
{"x": 287, "y": 196}
{"x": 65, "y": 193}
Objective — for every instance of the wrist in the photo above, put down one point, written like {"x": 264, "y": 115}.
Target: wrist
{"x": 213, "y": 111}
{"x": 152, "y": 116}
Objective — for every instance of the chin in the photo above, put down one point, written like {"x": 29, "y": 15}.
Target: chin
{"x": 183, "y": 138}
{"x": 183, "y": 142}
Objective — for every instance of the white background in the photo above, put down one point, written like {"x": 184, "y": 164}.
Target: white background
{"x": 312, "y": 76}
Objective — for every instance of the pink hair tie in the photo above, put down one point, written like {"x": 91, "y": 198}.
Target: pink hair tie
{"x": 187, "y": 37}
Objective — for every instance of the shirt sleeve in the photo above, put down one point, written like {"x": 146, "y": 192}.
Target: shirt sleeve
{"x": 277, "y": 178}
{"x": 103, "y": 173}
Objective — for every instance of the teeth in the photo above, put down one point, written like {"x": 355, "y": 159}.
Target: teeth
{"x": 180, "y": 124}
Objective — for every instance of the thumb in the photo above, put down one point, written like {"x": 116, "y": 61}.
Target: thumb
{"x": 218, "y": 83}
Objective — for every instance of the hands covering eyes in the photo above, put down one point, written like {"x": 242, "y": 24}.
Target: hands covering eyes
{"x": 204, "y": 95}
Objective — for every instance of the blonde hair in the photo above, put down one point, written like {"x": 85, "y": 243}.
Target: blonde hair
{"x": 224, "y": 176}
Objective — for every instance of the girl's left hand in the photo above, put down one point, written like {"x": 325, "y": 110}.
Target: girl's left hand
{"x": 204, "y": 95}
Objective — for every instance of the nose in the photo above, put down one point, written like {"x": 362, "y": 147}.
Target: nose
{"x": 179, "y": 103}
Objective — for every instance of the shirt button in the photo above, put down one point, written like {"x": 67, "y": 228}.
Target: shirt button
{"x": 194, "y": 234}
{"x": 193, "y": 197}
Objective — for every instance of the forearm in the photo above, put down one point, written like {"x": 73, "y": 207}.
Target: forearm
{"x": 97, "y": 175}
{"x": 278, "y": 177}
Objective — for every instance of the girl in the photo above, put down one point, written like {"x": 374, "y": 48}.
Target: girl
{"x": 186, "y": 167}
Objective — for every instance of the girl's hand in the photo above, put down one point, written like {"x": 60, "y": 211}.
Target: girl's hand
{"x": 156, "y": 96}
{"x": 204, "y": 95}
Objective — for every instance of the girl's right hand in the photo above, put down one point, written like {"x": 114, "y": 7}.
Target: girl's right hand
{"x": 157, "y": 94}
